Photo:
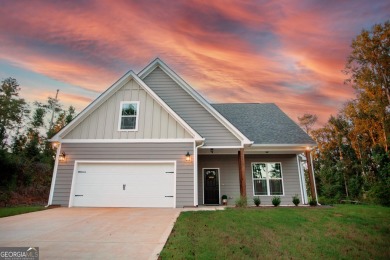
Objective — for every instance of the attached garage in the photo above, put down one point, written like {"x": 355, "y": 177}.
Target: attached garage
{"x": 123, "y": 184}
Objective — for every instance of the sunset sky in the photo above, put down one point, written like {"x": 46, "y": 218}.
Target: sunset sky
{"x": 286, "y": 52}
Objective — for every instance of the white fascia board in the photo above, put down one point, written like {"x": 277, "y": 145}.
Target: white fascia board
{"x": 64, "y": 141}
{"x": 221, "y": 147}
{"x": 90, "y": 108}
{"x": 280, "y": 147}
{"x": 167, "y": 108}
{"x": 159, "y": 63}
{"x": 108, "y": 93}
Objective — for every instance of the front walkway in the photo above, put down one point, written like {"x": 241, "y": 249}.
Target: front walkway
{"x": 204, "y": 208}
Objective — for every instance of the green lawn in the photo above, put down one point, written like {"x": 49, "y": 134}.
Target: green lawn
{"x": 11, "y": 211}
{"x": 340, "y": 232}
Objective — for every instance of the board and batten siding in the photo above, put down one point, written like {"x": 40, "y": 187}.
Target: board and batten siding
{"x": 127, "y": 152}
{"x": 190, "y": 110}
{"x": 229, "y": 180}
{"x": 154, "y": 122}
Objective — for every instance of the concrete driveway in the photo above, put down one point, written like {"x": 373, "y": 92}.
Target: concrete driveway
{"x": 91, "y": 233}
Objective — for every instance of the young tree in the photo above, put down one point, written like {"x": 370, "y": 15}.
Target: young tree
{"x": 307, "y": 121}
{"x": 35, "y": 139}
{"x": 64, "y": 118}
{"x": 12, "y": 108}
{"x": 353, "y": 159}
{"x": 368, "y": 68}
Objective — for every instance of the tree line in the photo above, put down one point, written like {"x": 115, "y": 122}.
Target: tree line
{"x": 352, "y": 159}
{"x": 26, "y": 155}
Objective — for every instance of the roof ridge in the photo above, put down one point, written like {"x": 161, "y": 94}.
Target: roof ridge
{"x": 243, "y": 103}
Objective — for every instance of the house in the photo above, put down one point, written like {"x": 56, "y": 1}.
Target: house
{"x": 150, "y": 140}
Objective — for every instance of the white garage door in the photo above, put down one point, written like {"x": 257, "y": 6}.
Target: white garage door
{"x": 123, "y": 185}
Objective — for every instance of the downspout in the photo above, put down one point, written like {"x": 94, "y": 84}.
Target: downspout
{"x": 196, "y": 203}
{"x": 53, "y": 179}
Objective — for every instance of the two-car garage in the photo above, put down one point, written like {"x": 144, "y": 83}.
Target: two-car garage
{"x": 123, "y": 184}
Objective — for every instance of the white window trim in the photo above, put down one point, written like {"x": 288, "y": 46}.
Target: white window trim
{"x": 120, "y": 116}
{"x": 267, "y": 179}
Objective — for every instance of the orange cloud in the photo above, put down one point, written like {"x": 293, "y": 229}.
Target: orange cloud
{"x": 290, "y": 53}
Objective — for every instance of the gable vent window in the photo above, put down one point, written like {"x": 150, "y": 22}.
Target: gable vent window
{"x": 128, "y": 117}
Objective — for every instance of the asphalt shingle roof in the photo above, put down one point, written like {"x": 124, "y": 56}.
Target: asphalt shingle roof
{"x": 263, "y": 123}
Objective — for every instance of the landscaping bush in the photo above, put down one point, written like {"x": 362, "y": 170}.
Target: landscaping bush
{"x": 257, "y": 201}
{"x": 276, "y": 201}
{"x": 241, "y": 202}
{"x": 295, "y": 200}
{"x": 312, "y": 202}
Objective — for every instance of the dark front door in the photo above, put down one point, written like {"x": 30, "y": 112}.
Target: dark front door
{"x": 211, "y": 186}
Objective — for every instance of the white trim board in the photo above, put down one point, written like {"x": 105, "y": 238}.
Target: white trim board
{"x": 200, "y": 99}
{"x": 54, "y": 177}
{"x": 108, "y": 93}
{"x": 302, "y": 183}
{"x": 127, "y": 141}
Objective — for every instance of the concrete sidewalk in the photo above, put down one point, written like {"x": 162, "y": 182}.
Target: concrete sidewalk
{"x": 91, "y": 233}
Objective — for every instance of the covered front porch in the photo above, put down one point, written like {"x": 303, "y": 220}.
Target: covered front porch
{"x": 251, "y": 173}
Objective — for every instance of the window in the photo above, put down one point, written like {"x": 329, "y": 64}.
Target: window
{"x": 267, "y": 179}
{"x": 128, "y": 116}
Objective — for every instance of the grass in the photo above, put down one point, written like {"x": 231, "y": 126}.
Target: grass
{"x": 342, "y": 232}
{"x": 11, "y": 211}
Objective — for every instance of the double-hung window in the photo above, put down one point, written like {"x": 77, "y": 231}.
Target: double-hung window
{"x": 128, "y": 116}
{"x": 267, "y": 179}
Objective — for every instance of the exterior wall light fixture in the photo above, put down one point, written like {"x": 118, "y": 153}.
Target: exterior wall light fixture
{"x": 62, "y": 157}
{"x": 188, "y": 157}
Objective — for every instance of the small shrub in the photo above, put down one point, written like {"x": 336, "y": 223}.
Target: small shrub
{"x": 296, "y": 200}
{"x": 224, "y": 197}
{"x": 312, "y": 202}
{"x": 276, "y": 201}
{"x": 257, "y": 201}
{"x": 241, "y": 202}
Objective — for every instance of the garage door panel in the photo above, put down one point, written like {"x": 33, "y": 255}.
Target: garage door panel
{"x": 150, "y": 202}
{"x": 124, "y": 185}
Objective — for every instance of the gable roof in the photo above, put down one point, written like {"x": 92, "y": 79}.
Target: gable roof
{"x": 196, "y": 96}
{"x": 264, "y": 124}
{"x": 108, "y": 93}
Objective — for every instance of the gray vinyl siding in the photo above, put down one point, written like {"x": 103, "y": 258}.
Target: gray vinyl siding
{"x": 229, "y": 180}
{"x": 190, "y": 110}
{"x": 127, "y": 152}
{"x": 154, "y": 122}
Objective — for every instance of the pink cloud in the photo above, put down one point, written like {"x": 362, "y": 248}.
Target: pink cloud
{"x": 290, "y": 53}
